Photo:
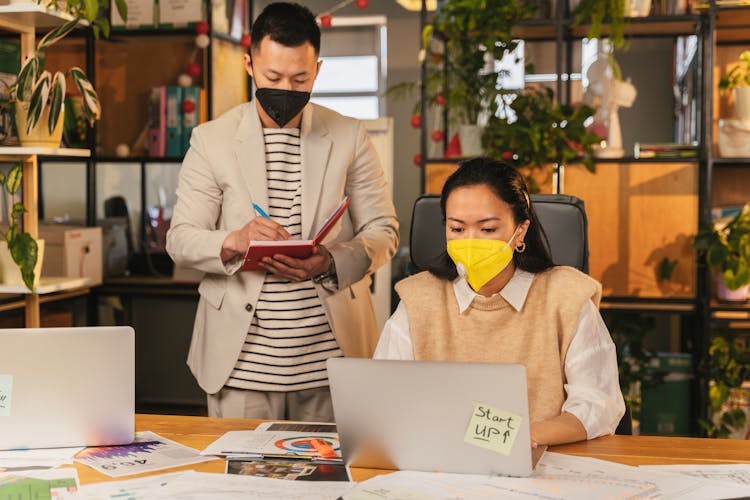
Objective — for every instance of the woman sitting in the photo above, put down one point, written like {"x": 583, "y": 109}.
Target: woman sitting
{"x": 495, "y": 296}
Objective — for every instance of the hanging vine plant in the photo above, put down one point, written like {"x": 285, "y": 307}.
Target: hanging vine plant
{"x": 597, "y": 12}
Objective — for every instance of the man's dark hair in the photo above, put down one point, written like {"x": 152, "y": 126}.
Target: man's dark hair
{"x": 289, "y": 24}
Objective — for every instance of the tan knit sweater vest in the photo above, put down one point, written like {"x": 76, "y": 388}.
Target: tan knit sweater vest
{"x": 492, "y": 331}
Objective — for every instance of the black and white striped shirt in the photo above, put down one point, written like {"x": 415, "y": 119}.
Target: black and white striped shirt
{"x": 289, "y": 338}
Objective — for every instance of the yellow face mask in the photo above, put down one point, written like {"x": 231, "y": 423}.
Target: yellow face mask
{"x": 481, "y": 259}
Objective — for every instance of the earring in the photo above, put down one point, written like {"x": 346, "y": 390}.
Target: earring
{"x": 521, "y": 247}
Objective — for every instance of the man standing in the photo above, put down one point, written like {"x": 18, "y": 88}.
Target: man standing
{"x": 261, "y": 338}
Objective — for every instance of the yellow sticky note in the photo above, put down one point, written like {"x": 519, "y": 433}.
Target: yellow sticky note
{"x": 492, "y": 428}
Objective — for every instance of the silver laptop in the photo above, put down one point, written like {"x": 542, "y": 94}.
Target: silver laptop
{"x": 432, "y": 416}
{"x": 66, "y": 387}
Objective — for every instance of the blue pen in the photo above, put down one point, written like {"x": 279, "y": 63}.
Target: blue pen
{"x": 260, "y": 211}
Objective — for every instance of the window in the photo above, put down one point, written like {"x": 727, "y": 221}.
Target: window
{"x": 352, "y": 77}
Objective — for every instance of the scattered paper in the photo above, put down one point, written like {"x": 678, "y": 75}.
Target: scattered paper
{"x": 18, "y": 461}
{"x": 294, "y": 470}
{"x": 298, "y": 427}
{"x": 190, "y": 485}
{"x": 273, "y": 444}
{"x": 60, "y": 484}
{"x": 715, "y": 481}
{"x": 556, "y": 477}
{"x": 492, "y": 428}
{"x": 149, "y": 452}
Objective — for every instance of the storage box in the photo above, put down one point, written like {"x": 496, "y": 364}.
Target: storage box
{"x": 734, "y": 139}
{"x": 72, "y": 251}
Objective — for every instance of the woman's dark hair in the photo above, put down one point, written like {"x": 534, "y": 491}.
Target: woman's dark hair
{"x": 289, "y": 24}
{"x": 505, "y": 181}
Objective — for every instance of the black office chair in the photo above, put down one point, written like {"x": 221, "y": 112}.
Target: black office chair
{"x": 562, "y": 217}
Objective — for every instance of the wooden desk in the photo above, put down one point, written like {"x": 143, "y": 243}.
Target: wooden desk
{"x": 199, "y": 432}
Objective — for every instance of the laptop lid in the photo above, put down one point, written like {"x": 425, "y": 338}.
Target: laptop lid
{"x": 432, "y": 416}
{"x": 67, "y": 387}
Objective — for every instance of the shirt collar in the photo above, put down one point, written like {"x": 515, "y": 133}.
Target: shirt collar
{"x": 514, "y": 292}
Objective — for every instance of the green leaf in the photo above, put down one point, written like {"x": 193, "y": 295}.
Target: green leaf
{"x": 26, "y": 79}
{"x": 122, "y": 9}
{"x": 91, "y": 104}
{"x": 57, "y": 34}
{"x": 57, "y": 97}
{"x": 104, "y": 23}
{"x": 38, "y": 101}
{"x": 18, "y": 210}
{"x": 25, "y": 252}
{"x": 14, "y": 178}
{"x": 91, "y": 10}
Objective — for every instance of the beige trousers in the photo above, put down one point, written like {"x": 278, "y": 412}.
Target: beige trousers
{"x": 309, "y": 405}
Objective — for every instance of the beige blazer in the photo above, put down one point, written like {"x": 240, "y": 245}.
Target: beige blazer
{"x": 224, "y": 173}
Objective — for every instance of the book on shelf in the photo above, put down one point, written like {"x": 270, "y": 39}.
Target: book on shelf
{"x": 173, "y": 146}
{"x": 191, "y": 111}
{"x": 157, "y": 121}
{"x": 299, "y": 249}
{"x": 173, "y": 113}
{"x": 665, "y": 150}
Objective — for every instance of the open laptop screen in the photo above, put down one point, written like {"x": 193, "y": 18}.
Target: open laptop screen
{"x": 66, "y": 387}
{"x": 432, "y": 416}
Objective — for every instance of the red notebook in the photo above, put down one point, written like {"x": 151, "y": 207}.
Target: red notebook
{"x": 299, "y": 249}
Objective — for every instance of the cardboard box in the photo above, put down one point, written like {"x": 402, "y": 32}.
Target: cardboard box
{"x": 72, "y": 251}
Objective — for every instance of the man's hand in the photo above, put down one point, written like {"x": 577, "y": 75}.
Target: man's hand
{"x": 297, "y": 270}
{"x": 259, "y": 229}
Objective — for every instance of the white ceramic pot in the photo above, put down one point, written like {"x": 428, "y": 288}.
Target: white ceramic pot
{"x": 39, "y": 136}
{"x": 10, "y": 274}
{"x": 471, "y": 140}
{"x": 725, "y": 294}
{"x": 742, "y": 103}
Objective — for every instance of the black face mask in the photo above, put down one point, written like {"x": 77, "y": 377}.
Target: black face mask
{"x": 282, "y": 105}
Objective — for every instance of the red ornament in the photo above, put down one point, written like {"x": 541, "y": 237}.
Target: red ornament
{"x": 188, "y": 106}
{"x": 437, "y": 135}
{"x": 325, "y": 20}
{"x": 202, "y": 28}
{"x": 417, "y": 159}
{"x": 416, "y": 120}
{"x": 362, "y": 4}
{"x": 246, "y": 41}
{"x": 194, "y": 69}
{"x": 454, "y": 148}
{"x": 440, "y": 100}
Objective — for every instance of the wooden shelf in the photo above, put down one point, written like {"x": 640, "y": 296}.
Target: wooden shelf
{"x": 31, "y": 14}
{"x": 11, "y": 153}
{"x": 48, "y": 284}
{"x": 651, "y": 26}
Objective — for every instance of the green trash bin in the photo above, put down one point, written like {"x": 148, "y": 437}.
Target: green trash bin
{"x": 666, "y": 395}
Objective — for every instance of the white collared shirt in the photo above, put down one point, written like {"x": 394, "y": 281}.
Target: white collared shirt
{"x": 592, "y": 388}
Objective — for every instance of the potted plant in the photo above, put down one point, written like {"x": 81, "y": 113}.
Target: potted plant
{"x": 727, "y": 250}
{"x": 535, "y": 132}
{"x": 728, "y": 369}
{"x": 38, "y": 95}
{"x": 461, "y": 45}
{"x": 596, "y": 12}
{"x": 23, "y": 249}
{"x": 737, "y": 80}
